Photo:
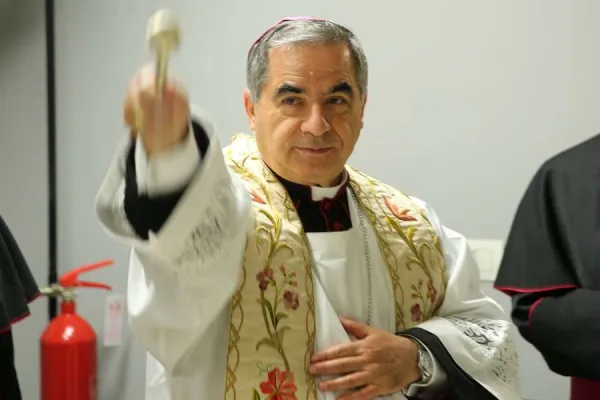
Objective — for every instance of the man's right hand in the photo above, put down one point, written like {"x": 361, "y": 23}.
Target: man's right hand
{"x": 161, "y": 122}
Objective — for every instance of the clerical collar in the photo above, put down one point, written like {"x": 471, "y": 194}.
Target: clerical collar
{"x": 321, "y": 209}
{"x": 314, "y": 193}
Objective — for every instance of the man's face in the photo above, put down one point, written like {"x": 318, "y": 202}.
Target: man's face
{"x": 310, "y": 113}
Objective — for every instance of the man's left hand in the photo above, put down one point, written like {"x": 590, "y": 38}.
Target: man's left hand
{"x": 378, "y": 363}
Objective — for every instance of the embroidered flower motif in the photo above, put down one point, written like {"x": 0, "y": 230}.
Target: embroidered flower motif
{"x": 431, "y": 291}
{"x": 256, "y": 198}
{"x": 290, "y": 300}
{"x": 288, "y": 277}
{"x": 277, "y": 292}
{"x": 279, "y": 386}
{"x": 402, "y": 215}
{"x": 416, "y": 312}
{"x": 264, "y": 277}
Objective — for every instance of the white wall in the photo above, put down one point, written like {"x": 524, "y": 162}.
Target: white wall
{"x": 466, "y": 100}
{"x": 23, "y": 189}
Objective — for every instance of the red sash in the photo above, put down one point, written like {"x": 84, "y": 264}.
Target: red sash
{"x": 584, "y": 389}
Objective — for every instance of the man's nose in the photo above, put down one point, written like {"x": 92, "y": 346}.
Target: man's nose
{"x": 316, "y": 124}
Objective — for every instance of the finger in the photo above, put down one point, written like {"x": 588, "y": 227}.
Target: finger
{"x": 337, "y": 366}
{"x": 347, "y": 382}
{"x": 147, "y": 96}
{"x": 132, "y": 109}
{"x": 137, "y": 104}
{"x": 341, "y": 351}
{"x": 147, "y": 86}
{"x": 367, "y": 392}
{"x": 153, "y": 110}
{"x": 173, "y": 95}
{"x": 147, "y": 73}
{"x": 358, "y": 329}
{"x": 147, "y": 99}
{"x": 147, "y": 79}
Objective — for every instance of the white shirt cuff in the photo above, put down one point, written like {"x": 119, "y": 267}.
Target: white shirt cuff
{"x": 166, "y": 172}
{"x": 438, "y": 376}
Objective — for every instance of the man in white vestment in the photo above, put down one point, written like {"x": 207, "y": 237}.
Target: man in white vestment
{"x": 270, "y": 269}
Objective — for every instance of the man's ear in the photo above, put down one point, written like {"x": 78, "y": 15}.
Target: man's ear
{"x": 362, "y": 110}
{"x": 250, "y": 108}
{"x": 363, "y": 105}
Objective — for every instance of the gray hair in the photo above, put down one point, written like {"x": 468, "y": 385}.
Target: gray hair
{"x": 301, "y": 32}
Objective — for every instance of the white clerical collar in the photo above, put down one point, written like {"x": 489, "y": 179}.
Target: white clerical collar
{"x": 319, "y": 193}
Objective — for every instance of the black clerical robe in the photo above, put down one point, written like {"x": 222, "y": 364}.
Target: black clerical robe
{"x": 551, "y": 266}
{"x": 17, "y": 289}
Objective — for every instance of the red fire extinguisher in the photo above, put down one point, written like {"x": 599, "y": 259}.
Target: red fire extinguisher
{"x": 68, "y": 356}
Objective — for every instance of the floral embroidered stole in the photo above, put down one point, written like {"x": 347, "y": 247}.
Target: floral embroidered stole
{"x": 272, "y": 314}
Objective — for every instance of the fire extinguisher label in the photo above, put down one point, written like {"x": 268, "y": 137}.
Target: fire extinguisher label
{"x": 113, "y": 320}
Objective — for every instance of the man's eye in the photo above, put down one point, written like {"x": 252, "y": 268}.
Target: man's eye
{"x": 337, "y": 100}
{"x": 290, "y": 101}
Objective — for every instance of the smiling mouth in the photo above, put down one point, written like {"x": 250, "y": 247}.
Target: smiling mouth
{"x": 306, "y": 150}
